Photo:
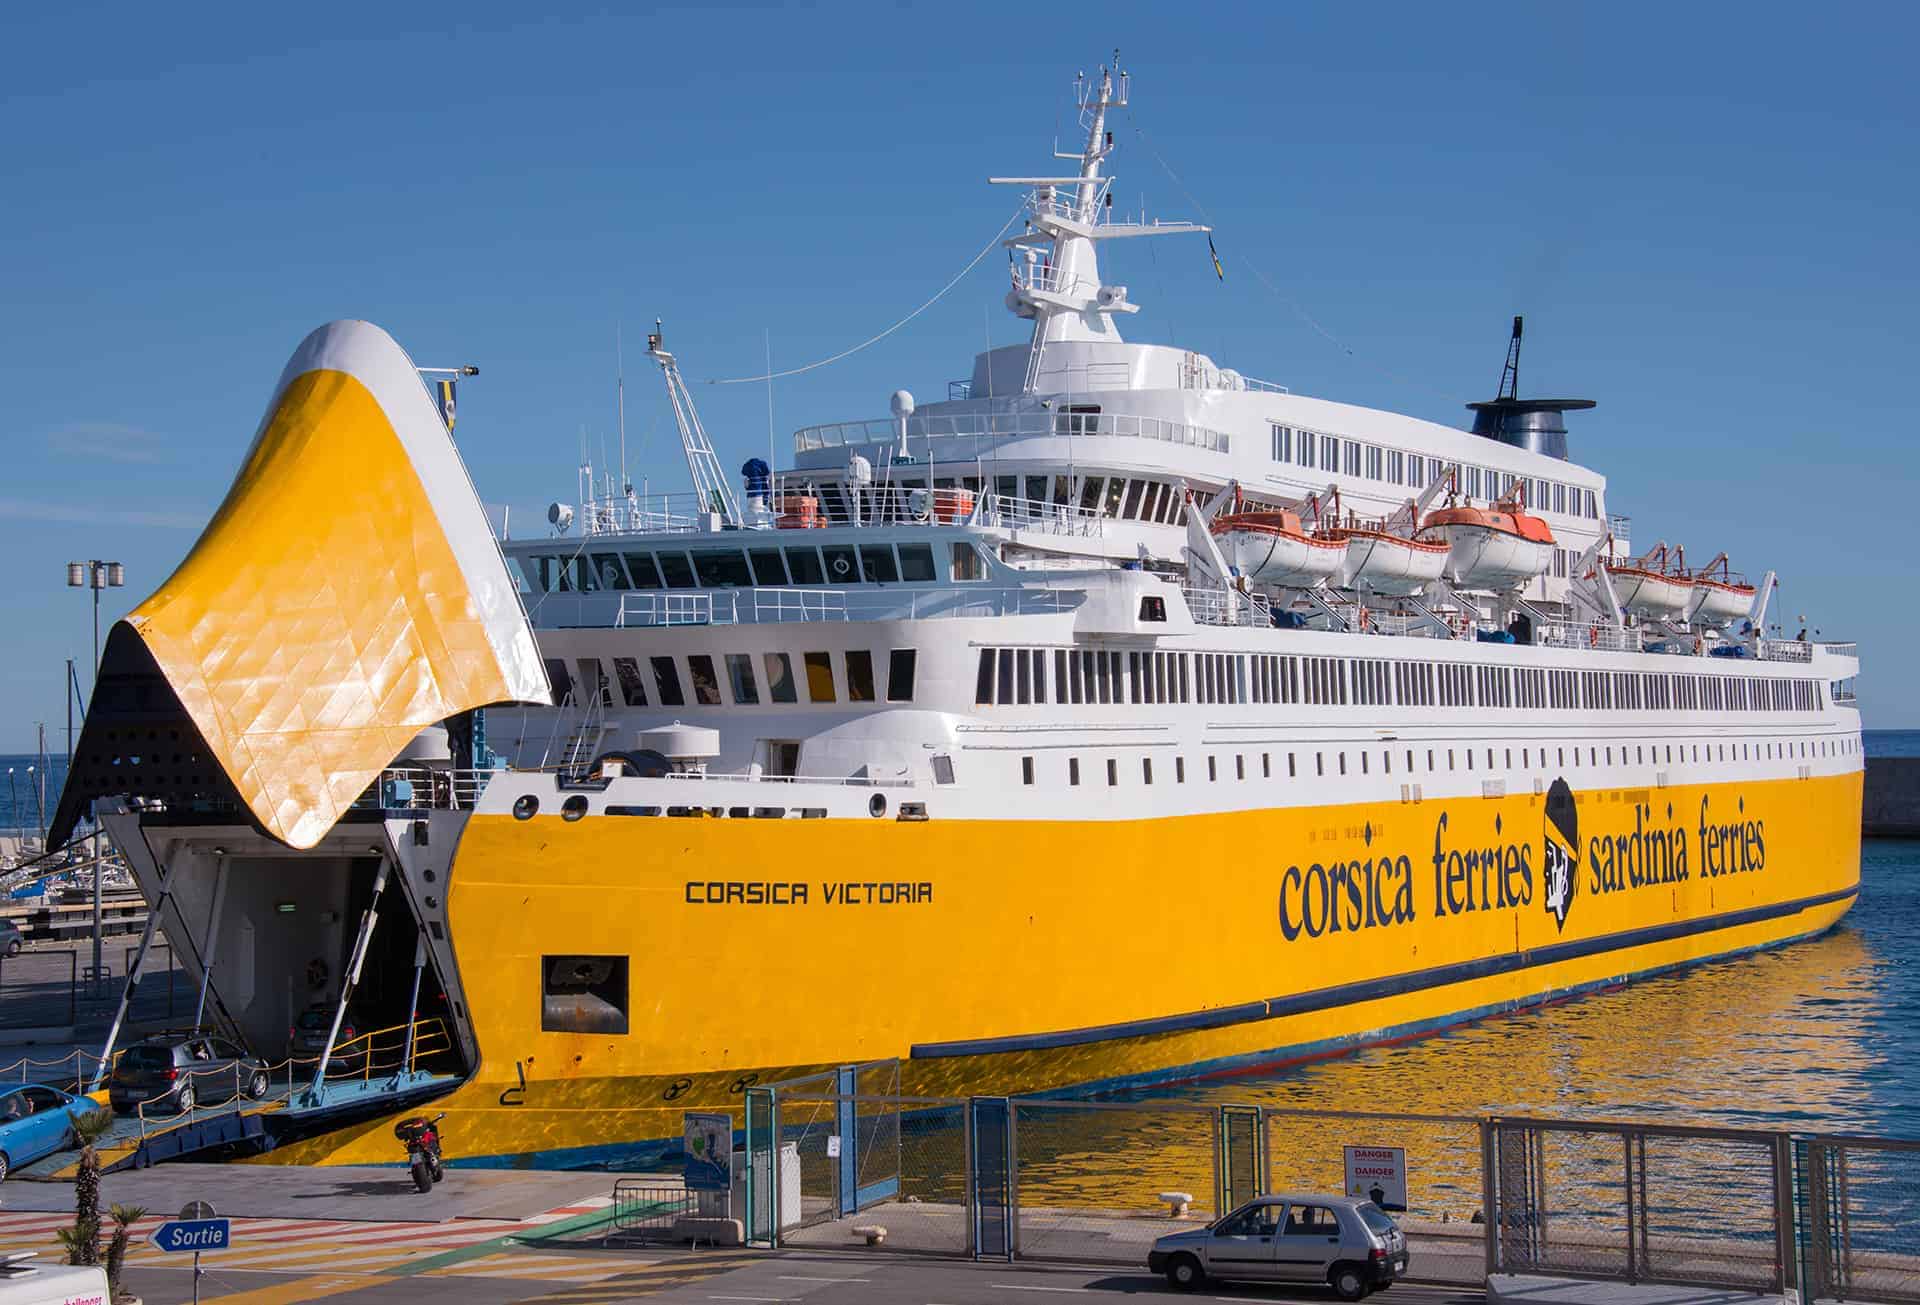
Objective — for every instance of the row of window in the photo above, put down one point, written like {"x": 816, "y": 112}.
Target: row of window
{"x": 1020, "y": 676}
{"x": 1439, "y": 761}
{"x": 736, "y": 568}
{"x": 1333, "y": 453}
{"x": 657, "y": 681}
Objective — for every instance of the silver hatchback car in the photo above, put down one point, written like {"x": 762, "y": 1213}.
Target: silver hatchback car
{"x": 1348, "y": 1243}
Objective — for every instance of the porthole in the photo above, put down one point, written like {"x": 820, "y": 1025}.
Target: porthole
{"x": 525, "y": 806}
{"x": 573, "y": 808}
{"x": 877, "y": 805}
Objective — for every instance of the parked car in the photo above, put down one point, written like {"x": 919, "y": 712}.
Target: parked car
{"x": 34, "y": 1122}
{"x": 181, "y": 1070}
{"x": 11, "y": 939}
{"x": 1348, "y": 1243}
{"x": 310, "y": 1039}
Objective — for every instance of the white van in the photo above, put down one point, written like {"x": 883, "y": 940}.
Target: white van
{"x": 22, "y": 1283}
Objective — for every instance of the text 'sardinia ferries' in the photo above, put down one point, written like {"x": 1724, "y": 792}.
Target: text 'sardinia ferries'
{"x": 946, "y": 742}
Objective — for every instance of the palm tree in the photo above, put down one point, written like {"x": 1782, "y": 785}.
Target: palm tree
{"x": 83, "y": 1239}
{"x": 124, "y": 1217}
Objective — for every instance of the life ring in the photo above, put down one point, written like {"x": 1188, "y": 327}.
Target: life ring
{"x": 316, "y": 973}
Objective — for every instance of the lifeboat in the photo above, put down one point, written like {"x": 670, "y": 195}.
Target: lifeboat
{"x": 1495, "y": 547}
{"x": 1272, "y": 548}
{"x": 1388, "y": 564}
{"x": 1647, "y": 588}
{"x": 1720, "y": 597}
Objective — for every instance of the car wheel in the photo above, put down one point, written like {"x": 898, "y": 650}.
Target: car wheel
{"x": 257, "y": 1089}
{"x": 184, "y": 1100}
{"x": 13, "y": 948}
{"x": 1348, "y": 1284}
{"x": 6, "y": 1166}
{"x": 1184, "y": 1272}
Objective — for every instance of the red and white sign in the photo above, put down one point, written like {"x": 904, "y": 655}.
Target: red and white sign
{"x": 1378, "y": 1174}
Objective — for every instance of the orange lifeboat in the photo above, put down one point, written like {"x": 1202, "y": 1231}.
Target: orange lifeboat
{"x": 1647, "y": 586}
{"x": 1496, "y": 547}
{"x": 1270, "y": 546}
{"x": 1722, "y": 598}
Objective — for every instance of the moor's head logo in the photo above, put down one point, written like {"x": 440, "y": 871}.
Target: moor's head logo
{"x": 1562, "y": 859}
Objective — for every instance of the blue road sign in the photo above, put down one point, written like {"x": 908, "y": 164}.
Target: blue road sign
{"x": 193, "y": 1235}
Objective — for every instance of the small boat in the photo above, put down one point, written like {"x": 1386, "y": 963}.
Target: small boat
{"x": 1720, "y": 597}
{"x": 1391, "y": 565}
{"x": 1495, "y": 547}
{"x": 1271, "y": 547}
{"x": 1647, "y": 587}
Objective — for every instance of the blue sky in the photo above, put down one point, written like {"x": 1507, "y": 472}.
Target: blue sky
{"x": 1705, "y": 212}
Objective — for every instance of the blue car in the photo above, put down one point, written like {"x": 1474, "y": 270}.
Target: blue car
{"x": 34, "y": 1122}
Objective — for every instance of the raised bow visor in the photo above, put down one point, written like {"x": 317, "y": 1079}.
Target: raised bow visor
{"x": 347, "y": 593}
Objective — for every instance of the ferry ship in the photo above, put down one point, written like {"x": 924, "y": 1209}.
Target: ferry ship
{"x": 1119, "y": 718}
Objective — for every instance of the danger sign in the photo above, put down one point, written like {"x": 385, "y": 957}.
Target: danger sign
{"x": 1378, "y": 1174}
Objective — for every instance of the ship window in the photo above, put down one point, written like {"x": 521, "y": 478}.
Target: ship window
{"x": 819, "y": 668}
{"x": 1073, "y": 771}
{"x": 1239, "y": 765}
{"x": 1363, "y": 763}
{"x": 1213, "y": 769}
{"x": 583, "y": 994}
{"x": 706, "y": 684}
{"x": 1135, "y": 488}
{"x": 1113, "y": 771}
{"x": 645, "y": 574}
{"x": 666, "y": 682}
{"x": 900, "y": 669}
{"x": 1146, "y": 770}
{"x": 840, "y": 565}
{"x": 740, "y": 673}
{"x": 590, "y": 673}
{"x": 942, "y": 768}
{"x": 967, "y": 563}
{"x": 1353, "y": 457}
{"x": 1090, "y": 488}
{"x": 1156, "y": 495}
{"x": 1306, "y": 448}
{"x": 1373, "y": 462}
{"x": 804, "y": 564}
{"x": 1115, "y": 488}
{"x": 611, "y": 576}
{"x": 859, "y": 675}
{"x": 1282, "y": 443}
{"x": 1039, "y": 674}
{"x": 916, "y": 563}
{"x": 632, "y": 687}
{"x": 1005, "y": 677}
{"x": 1026, "y": 770}
{"x": 1023, "y": 682}
{"x": 1343, "y": 763}
{"x": 780, "y": 687}
{"x": 1104, "y": 678}
{"x": 1319, "y": 763}
{"x": 876, "y": 564}
{"x": 559, "y": 677}
{"x": 1266, "y": 766}
{"x": 767, "y": 567}
{"x": 1330, "y": 452}
{"x": 1291, "y": 772}
{"x": 677, "y": 570}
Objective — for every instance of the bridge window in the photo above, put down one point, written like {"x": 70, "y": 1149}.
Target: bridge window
{"x": 804, "y": 563}
{"x": 607, "y": 565}
{"x": 666, "y": 679}
{"x": 967, "y": 563}
{"x": 840, "y": 565}
{"x": 780, "y": 687}
{"x": 767, "y": 567}
{"x": 900, "y": 673}
{"x": 916, "y": 563}
{"x": 819, "y": 667}
{"x": 706, "y": 684}
{"x": 632, "y": 687}
{"x": 677, "y": 570}
{"x": 559, "y": 677}
{"x": 740, "y": 673}
{"x": 859, "y": 675}
{"x": 876, "y": 564}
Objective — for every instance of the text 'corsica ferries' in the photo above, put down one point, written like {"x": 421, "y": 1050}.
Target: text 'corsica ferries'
{"x": 1118, "y": 718}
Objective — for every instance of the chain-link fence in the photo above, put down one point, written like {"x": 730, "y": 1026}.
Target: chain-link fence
{"x": 1862, "y": 1196}
{"x": 1641, "y": 1203}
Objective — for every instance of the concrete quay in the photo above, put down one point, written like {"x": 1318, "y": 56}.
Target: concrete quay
{"x": 1890, "y": 805}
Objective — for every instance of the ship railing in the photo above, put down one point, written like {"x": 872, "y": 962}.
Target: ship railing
{"x": 1785, "y": 650}
{"x": 1224, "y": 607}
{"x": 1588, "y": 636}
{"x": 1839, "y": 649}
{"x": 1007, "y": 424}
{"x": 838, "y": 781}
{"x": 424, "y": 788}
{"x": 837, "y": 504}
{"x": 1039, "y": 514}
{"x": 1259, "y": 386}
{"x": 613, "y": 514}
{"x": 654, "y": 607}
{"x": 959, "y": 390}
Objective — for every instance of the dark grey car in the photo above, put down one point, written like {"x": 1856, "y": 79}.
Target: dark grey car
{"x": 177, "y": 1071}
{"x": 11, "y": 939}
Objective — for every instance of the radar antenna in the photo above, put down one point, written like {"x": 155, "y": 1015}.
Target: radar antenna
{"x": 709, "y": 483}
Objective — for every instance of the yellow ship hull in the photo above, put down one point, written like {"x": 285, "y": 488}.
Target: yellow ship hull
{"x": 1027, "y": 956}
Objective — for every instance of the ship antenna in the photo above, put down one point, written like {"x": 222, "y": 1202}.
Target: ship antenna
{"x": 620, "y": 392}
{"x": 1510, "y": 374}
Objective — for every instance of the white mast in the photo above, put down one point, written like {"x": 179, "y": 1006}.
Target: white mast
{"x": 1057, "y": 275}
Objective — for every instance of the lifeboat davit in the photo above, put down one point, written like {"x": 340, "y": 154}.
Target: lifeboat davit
{"x": 1647, "y": 588}
{"x": 1272, "y": 548}
{"x": 1495, "y": 547}
{"x": 1391, "y": 565}
{"x": 1720, "y": 597}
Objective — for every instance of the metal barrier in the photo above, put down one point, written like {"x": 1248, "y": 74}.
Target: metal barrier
{"x": 1641, "y": 1203}
{"x": 644, "y": 1209}
{"x": 1860, "y": 1239}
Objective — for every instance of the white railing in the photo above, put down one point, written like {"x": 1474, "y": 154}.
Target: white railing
{"x": 780, "y": 605}
{"x": 1586, "y": 635}
{"x": 1840, "y": 649}
{"x": 1263, "y": 387}
{"x": 654, "y": 607}
{"x": 1037, "y": 276}
{"x": 425, "y": 788}
{"x": 1785, "y": 650}
{"x": 640, "y": 514}
{"x": 1221, "y": 607}
{"x": 1038, "y": 514}
{"x": 1009, "y": 424}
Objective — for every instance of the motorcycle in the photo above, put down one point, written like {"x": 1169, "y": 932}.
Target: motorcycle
{"x": 421, "y": 1137}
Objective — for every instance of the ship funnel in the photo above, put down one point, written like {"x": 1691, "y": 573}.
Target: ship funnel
{"x": 1538, "y": 425}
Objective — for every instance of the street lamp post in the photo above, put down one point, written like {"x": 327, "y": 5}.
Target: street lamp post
{"x": 96, "y": 575}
